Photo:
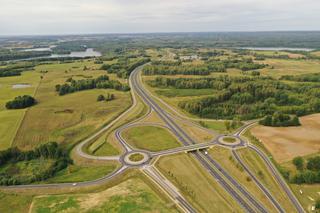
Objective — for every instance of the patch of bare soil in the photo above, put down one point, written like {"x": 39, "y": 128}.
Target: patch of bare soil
{"x": 285, "y": 143}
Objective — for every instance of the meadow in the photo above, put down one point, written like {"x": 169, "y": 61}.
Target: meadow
{"x": 150, "y": 138}
{"x": 70, "y": 118}
{"x": 11, "y": 119}
{"x": 196, "y": 184}
{"x": 132, "y": 195}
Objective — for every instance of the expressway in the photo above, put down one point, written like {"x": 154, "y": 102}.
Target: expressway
{"x": 236, "y": 190}
{"x": 186, "y": 140}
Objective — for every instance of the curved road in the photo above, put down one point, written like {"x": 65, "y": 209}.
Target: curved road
{"x": 237, "y": 191}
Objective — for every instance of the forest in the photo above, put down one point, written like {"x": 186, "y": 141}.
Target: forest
{"x": 208, "y": 67}
{"x": 248, "y": 97}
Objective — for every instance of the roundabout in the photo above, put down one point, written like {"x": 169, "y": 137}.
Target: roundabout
{"x": 136, "y": 158}
{"x": 229, "y": 140}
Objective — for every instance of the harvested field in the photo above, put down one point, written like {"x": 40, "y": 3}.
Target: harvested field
{"x": 285, "y": 143}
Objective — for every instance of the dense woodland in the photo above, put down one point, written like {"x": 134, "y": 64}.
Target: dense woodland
{"x": 16, "y": 69}
{"x": 101, "y": 82}
{"x": 247, "y": 97}
{"x": 46, "y": 151}
{"x": 21, "y": 102}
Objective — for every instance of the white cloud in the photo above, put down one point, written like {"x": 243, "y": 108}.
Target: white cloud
{"x": 109, "y": 16}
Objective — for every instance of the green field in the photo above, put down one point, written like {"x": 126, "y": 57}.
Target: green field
{"x": 196, "y": 184}
{"x": 229, "y": 139}
{"x": 184, "y": 92}
{"x": 136, "y": 157}
{"x": 15, "y": 203}
{"x": 68, "y": 119}
{"x": 76, "y": 173}
{"x": 106, "y": 150}
{"x": 10, "y": 122}
{"x": 290, "y": 67}
{"x": 150, "y": 138}
{"x": 10, "y": 119}
{"x": 133, "y": 195}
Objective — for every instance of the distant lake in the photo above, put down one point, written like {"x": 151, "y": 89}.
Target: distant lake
{"x": 277, "y": 48}
{"x": 81, "y": 54}
{"x": 90, "y": 52}
{"x": 39, "y": 49}
{"x": 20, "y": 86}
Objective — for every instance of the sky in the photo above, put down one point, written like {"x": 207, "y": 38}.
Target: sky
{"x": 46, "y": 17}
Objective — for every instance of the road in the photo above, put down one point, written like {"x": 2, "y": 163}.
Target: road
{"x": 186, "y": 140}
{"x": 279, "y": 178}
{"x": 236, "y": 190}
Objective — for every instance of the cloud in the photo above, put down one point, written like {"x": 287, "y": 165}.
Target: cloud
{"x": 111, "y": 16}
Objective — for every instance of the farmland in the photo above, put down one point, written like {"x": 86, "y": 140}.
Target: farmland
{"x": 285, "y": 143}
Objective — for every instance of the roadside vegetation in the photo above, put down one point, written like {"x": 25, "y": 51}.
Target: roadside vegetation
{"x": 196, "y": 184}
{"x": 26, "y": 167}
{"x": 132, "y": 195}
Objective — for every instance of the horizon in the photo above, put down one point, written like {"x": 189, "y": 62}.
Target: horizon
{"x": 164, "y": 32}
{"x": 45, "y": 17}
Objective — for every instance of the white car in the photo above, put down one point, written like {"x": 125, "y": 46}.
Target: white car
{"x": 74, "y": 184}
{"x": 205, "y": 152}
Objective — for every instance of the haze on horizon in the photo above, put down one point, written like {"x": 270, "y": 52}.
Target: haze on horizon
{"x": 44, "y": 17}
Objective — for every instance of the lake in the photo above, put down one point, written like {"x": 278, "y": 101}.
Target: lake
{"x": 277, "y": 48}
{"x": 90, "y": 52}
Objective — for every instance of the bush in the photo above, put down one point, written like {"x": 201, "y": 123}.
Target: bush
{"x": 314, "y": 163}
{"x": 280, "y": 119}
{"x": 101, "y": 98}
{"x": 298, "y": 162}
{"x": 21, "y": 102}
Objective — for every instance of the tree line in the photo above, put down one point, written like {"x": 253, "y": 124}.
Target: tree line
{"x": 208, "y": 67}
{"x": 280, "y": 119}
{"x": 46, "y": 151}
{"x": 307, "y": 172}
{"x": 312, "y": 77}
{"x": 101, "y": 82}
{"x": 6, "y": 55}
{"x": 123, "y": 67}
{"x": 16, "y": 69}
